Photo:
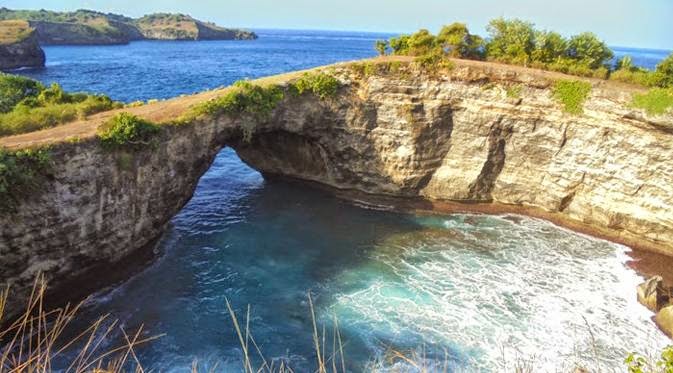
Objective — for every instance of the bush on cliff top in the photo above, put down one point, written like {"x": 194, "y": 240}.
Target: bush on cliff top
{"x": 127, "y": 130}
{"x": 320, "y": 84}
{"x": 26, "y": 105}
{"x": 244, "y": 98}
{"x": 571, "y": 94}
{"x": 20, "y": 174}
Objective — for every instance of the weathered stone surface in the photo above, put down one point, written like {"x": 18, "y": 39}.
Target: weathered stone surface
{"x": 24, "y": 53}
{"x": 451, "y": 137}
{"x": 664, "y": 320}
{"x": 652, "y": 294}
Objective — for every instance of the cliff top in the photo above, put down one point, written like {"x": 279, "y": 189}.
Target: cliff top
{"x": 476, "y": 72}
{"x": 14, "y": 31}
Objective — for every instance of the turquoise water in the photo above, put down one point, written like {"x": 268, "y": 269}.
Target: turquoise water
{"x": 467, "y": 291}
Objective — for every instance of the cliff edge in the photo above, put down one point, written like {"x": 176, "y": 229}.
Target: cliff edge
{"x": 19, "y": 46}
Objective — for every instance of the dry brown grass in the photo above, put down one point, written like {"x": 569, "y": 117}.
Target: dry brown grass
{"x": 32, "y": 342}
{"x": 13, "y": 31}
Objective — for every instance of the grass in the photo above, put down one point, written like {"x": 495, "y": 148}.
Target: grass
{"x": 37, "y": 337}
{"x": 21, "y": 173}
{"x": 571, "y": 94}
{"x": 32, "y": 342}
{"x": 656, "y": 101}
{"x": 128, "y": 131}
{"x": 14, "y": 31}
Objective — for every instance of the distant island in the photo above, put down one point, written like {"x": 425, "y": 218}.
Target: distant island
{"x": 22, "y": 31}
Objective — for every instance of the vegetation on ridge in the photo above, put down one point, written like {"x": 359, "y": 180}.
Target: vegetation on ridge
{"x": 127, "y": 130}
{"x": 26, "y": 105}
{"x": 656, "y": 101}
{"x": 20, "y": 174}
{"x": 14, "y": 31}
{"x": 518, "y": 42}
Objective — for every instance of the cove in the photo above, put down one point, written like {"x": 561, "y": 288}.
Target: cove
{"x": 463, "y": 283}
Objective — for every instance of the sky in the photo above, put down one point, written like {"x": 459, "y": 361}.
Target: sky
{"x": 631, "y": 23}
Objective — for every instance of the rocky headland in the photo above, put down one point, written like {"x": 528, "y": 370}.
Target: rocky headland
{"x": 478, "y": 135}
{"x": 19, "y": 46}
{"x": 86, "y": 27}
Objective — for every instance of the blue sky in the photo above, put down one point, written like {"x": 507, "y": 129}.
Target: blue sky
{"x": 639, "y": 23}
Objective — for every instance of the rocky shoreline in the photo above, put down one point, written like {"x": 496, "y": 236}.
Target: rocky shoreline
{"x": 438, "y": 139}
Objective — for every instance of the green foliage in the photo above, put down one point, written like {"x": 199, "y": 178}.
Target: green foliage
{"x": 513, "y": 91}
{"x": 400, "y": 45}
{"x": 434, "y": 61}
{"x": 511, "y": 41}
{"x": 420, "y": 43}
{"x": 381, "y": 47}
{"x": 244, "y": 98}
{"x": 14, "y": 89}
{"x": 458, "y": 42}
{"x": 27, "y": 118}
{"x": 656, "y": 101}
{"x": 549, "y": 47}
{"x": 588, "y": 50}
{"x": 26, "y": 105}
{"x": 663, "y": 75}
{"x": 636, "y": 363}
{"x": 571, "y": 94}
{"x": 320, "y": 84}
{"x": 125, "y": 130}
{"x": 20, "y": 174}
{"x": 626, "y": 72}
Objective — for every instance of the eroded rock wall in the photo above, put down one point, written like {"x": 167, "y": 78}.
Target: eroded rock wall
{"x": 457, "y": 136}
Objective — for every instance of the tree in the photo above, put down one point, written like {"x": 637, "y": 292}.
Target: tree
{"x": 511, "y": 41}
{"x": 381, "y": 46}
{"x": 400, "y": 45}
{"x": 421, "y": 42}
{"x": 457, "y": 41}
{"x": 589, "y": 50}
{"x": 664, "y": 72}
{"x": 549, "y": 47}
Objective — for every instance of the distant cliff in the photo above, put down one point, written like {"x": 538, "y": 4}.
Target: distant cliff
{"x": 86, "y": 27}
{"x": 19, "y": 46}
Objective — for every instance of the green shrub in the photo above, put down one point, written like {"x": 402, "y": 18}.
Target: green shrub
{"x": 244, "y": 98}
{"x": 513, "y": 91}
{"x": 635, "y": 76}
{"x": 125, "y": 130}
{"x": 639, "y": 364}
{"x": 458, "y": 42}
{"x": 588, "y": 50}
{"x": 434, "y": 61}
{"x": 20, "y": 174}
{"x": 656, "y": 101}
{"x": 27, "y": 118}
{"x": 663, "y": 75}
{"x": 14, "y": 89}
{"x": 320, "y": 84}
{"x": 571, "y": 94}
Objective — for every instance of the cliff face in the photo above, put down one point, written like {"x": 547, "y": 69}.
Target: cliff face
{"x": 457, "y": 136}
{"x": 23, "y": 53}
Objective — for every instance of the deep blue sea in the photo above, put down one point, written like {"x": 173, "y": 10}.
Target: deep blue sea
{"x": 471, "y": 292}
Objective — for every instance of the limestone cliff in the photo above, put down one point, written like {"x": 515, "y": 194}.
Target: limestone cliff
{"x": 450, "y": 136}
{"x": 19, "y": 46}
